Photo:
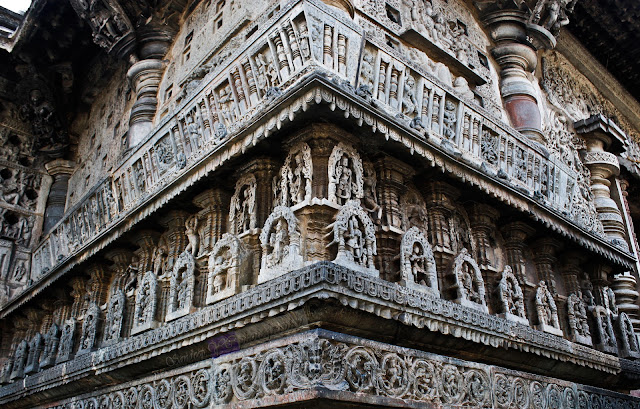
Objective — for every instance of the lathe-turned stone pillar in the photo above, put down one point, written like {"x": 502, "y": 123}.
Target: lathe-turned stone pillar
{"x": 145, "y": 77}
{"x": 625, "y": 288}
{"x": 61, "y": 171}
{"x": 544, "y": 256}
{"x": 602, "y": 135}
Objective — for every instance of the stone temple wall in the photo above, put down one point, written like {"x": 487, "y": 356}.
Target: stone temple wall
{"x": 323, "y": 204}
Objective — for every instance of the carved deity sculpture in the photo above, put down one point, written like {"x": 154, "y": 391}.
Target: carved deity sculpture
{"x": 40, "y": 113}
{"x": 552, "y": 14}
{"x": 578, "y": 324}
{"x": 110, "y": 25}
{"x": 242, "y": 214}
{"x": 280, "y": 240}
{"x": 35, "y": 350}
{"x": 191, "y": 226}
{"x": 547, "y": 310}
{"x": 417, "y": 264}
{"x": 89, "y": 329}
{"x": 414, "y": 211}
{"x": 227, "y": 261}
{"x": 605, "y": 339}
{"x": 66, "y": 341}
{"x": 409, "y": 101}
{"x": 468, "y": 283}
{"x": 181, "y": 285}
{"x": 370, "y": 199}
{"x": 294, "y": 182}
{"x": 159, "y": 258}
{"x": 511, "y": 297}
{"x": 20, "y": 360}
{"x": 145, "y": 307}
{"x": 345, "y": 175}
{"x": 113, "y": 321}
{"x": 51, "y": 342}
{"x": 354, "y": 233}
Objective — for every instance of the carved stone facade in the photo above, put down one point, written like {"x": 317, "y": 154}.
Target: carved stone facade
{"x": 289, "y": 203}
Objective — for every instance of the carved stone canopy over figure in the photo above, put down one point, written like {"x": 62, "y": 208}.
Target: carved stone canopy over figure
{"x": 417, "y": 264}
{"x": 146, "y": 301}
{"x": 627, "y": 339}
{"x": 227, "y": 261}
{"x": 547, "y": 310}
{"x": 469, "y": 284}
{"x": 181, "y": 285}
{"x": 280, "y": 240}
{"x": 345, "y": 175}
{"x": 354, "y": 233}
{"x": 511, "y": 297}
{"x": 89, "y": 329}
{"x": 293, "y": 186}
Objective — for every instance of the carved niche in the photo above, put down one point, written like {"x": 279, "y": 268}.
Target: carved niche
{"x": 280, "y": 240}
{"x": 605, "y": 339}
{"x": 242, "y": 214}
{"x": 468, "y": 286}
{"x": 66, "y": 341}
{"x": 295, "y": 177}
{"x": 20, "y": 360}
{"x": 113, "y": 322}
{"x": 547, "y": 310}
{"x": 345, "y": 175}
{"x": 89, "y": 329}
{"x": 227, "y": 261}
{"x": 627, "y": 340}
{"x": 51, "y": 342}
{"x": 181, "y": 284}
{"x": 354, "y": 233}
{"x": 146, "y": 301}
{"x": 35, "y": 350}
{"x": 511, "y": 298}
{"x": 414, "y": 210}
{"x": 578, "y": 323}
{"x": 417, "y": 264}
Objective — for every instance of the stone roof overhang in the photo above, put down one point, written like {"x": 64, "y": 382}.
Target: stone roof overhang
{"x": 316, "y": 88}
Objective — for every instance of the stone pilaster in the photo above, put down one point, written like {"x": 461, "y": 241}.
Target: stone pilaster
{"x": 392, "y": 178}
{"x": 212, "y": 218}
{"x": 515, "y": 235}
{"x": 483, "y": 225}
{"x": 439, "y": 198}
{"x": 571, "y": 271}
{"x": 61, "y": 171}
{"x": 98, "y": 285}
{"x": 78, "y": 293}
{"x": 146, "y": 241}
{"x": 544, "y": 257}
{"x": 600, "y": 135}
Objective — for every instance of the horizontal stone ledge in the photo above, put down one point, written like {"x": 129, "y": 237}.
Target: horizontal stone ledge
{"x": 322, "y": 280}
{"x": 322, "y": 365}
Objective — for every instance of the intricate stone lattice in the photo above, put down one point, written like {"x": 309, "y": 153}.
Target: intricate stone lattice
{"x": 578, "y": 324}
{"x": 242, "y": 214}
{"x": 511, "y": 298}
{"x": 146, "y": 301}
{"x": 89, "y": 329}
{"x": 280, "y": 241}
{"x": 181, "y": 285}
{"x": 547, "y": 310}
{"x": 468, "y": 285}
{"x": 417, "y": 264}
{"x": 227, "y": 261}
{"x": 345, "y": 174}
{"x": 354, "y": 233}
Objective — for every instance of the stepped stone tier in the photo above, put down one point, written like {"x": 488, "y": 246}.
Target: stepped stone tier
{"x": 318, "y": 203}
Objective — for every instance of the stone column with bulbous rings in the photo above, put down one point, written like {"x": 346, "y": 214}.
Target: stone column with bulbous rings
{"x": 145, "y": 77}
{"x": 624, "y": 287}
{"x": 600, "y": 135}
{"x": 61, "y": 171}
{"x": 517, "y": 58}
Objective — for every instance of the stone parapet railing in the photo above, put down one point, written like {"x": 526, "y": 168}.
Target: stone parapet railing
{"x": 323, "y": 280}
{"x": 301, "y": 40}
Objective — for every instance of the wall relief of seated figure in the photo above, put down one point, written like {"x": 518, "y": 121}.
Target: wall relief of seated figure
{"x": 281, "y": 244}
{"x": 417, "y": 264}
{"x": 354, "y": 234}
{"x": 468, "y": 284}
{"x": 227, "y": 262}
